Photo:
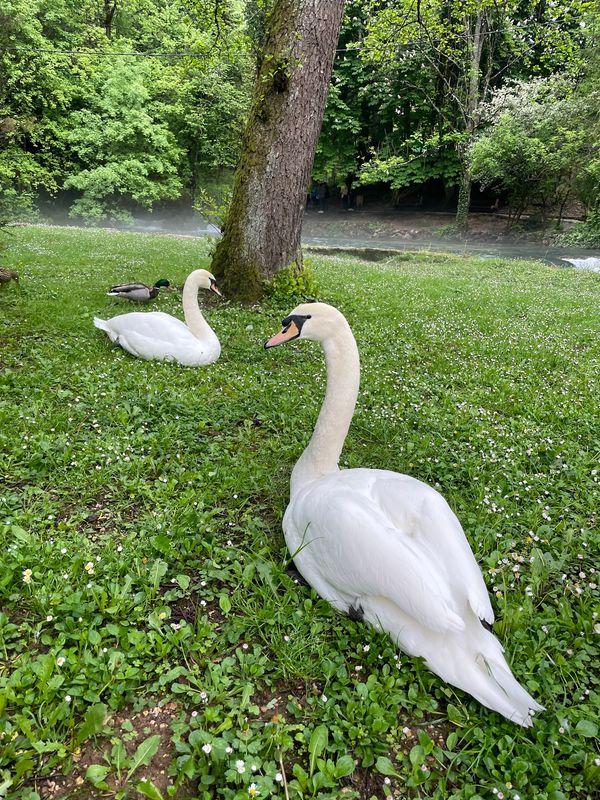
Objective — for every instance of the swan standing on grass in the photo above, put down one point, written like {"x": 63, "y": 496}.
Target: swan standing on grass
{"x": 160, "y": 337}
{"x": 386, "y": 547}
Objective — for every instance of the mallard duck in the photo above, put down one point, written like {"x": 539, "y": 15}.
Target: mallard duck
{"x": 7, "y": 275}
{"x": 138, "y": 292}
{"x": 387, "y": 548}
{"x": 158, "y": 336}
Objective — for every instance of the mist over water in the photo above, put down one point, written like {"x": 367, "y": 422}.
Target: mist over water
{"x": 328, "y": 231}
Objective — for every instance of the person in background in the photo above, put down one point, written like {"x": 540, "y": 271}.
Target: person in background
{"x": 344, "y": 196}
{"x": 322, "y": 192}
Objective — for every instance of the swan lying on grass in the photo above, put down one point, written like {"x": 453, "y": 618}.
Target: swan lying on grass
{"x": 386, "y": 547}
{"x": 158, "y": 336}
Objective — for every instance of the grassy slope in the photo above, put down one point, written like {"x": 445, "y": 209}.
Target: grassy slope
{"x": 481, "y": 378}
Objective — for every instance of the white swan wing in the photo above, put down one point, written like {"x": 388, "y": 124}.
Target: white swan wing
{"x": 412, "y": 505}
{"x": 347, "y": 547}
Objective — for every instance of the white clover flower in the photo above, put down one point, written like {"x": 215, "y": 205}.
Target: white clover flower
{"x": 207, "y": 748}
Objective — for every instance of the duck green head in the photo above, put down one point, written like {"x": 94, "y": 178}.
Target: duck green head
{"x": 162, "y": 283}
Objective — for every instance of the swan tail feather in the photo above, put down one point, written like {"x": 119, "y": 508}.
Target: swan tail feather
{"x": 101, "y": 324}
{"x": 503, "y": 693}
{"x": 104, "y": 326}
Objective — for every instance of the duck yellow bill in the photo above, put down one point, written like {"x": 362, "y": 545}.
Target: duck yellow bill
{"x": 289, "y": 332}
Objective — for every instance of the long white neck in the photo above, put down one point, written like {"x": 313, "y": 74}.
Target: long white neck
{"x": 191, "y": 310}
{"x": 322, "y": 454}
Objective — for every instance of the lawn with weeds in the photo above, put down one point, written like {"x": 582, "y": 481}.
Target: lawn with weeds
{"x": 154, "y": 641}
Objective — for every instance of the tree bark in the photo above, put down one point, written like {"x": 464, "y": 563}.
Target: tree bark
{"x": 475, "y": 39}
{"x": 262, "y": 232}
{"x": 110, "y": 8}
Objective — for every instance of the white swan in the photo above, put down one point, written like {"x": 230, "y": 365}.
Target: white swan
{"x": 158, "y": 336}
{"x": 386, "y": 547}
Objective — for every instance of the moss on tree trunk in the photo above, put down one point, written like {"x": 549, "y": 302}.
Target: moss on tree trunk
{"x": 262, "y": 232}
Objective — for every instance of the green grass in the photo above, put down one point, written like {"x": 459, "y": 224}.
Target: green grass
{"x": 147, "y": 499}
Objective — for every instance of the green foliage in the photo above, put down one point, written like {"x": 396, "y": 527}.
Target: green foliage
{"x": 536, "y": 145}
{"x": 147, "y": 502}
{"x": 119, "y": 133}
{"x": 214, "y": 206}
{"x": 293, "y": 283}
{"x": 123, "y": 153}
{"x": 409, "y": 78}
{"x": 584, "y": 234}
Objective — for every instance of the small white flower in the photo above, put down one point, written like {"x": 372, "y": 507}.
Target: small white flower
{"x": 194, "y": 713}
{"x": 366, "y": 648}
{"x": 27, "y": 573}
{"x": 60, "y": 661}
{"x": 207, "y": 748}
{"x": 240, "y": 766}
{"x": 387, "y": 781}
{"x": 68, "y": 698}
{"x": 286, "y": 638}
{"x": 278, "y": 777}
{"x": 49, "y": 618}
{"x": 253, "y": 767}
{"x": 252, "y": 790}
{"x": 324, "y": 698}
{"x": 63, "y": 550}
{"x": 229, "y": 750}
{"x": 244, "y": 646}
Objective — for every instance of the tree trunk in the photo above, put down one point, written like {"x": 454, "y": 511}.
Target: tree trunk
{"x": 110, "y": 8}
{"x": 475, "y": 39}
{"x": 262, "y": 232}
